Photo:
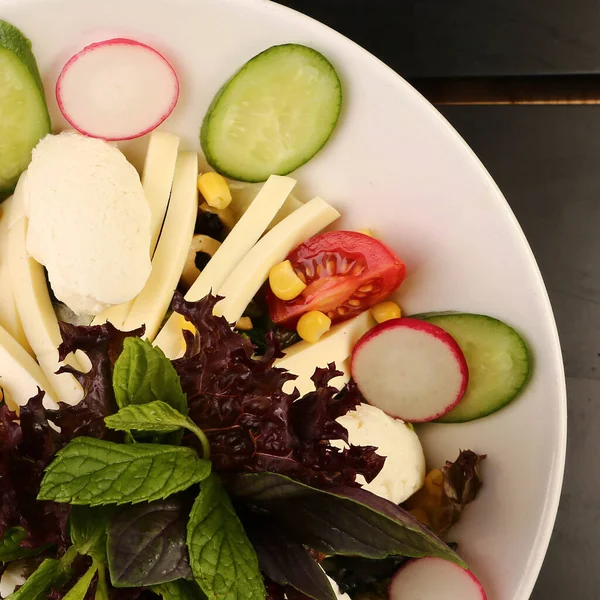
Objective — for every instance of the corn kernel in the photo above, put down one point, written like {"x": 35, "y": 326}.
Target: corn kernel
{"x": 215, "y": 190}
{"x": 366, "y": 231}
{"x": 244, "y": 324}
{"x": 284, "y": 282}
{"x": 312, "y": 325}
{"x": 384, "y": 311}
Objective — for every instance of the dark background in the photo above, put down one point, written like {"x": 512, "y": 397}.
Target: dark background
{"x": 545, "y": 159}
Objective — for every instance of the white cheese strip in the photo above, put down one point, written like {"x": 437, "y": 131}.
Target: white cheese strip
{"x": 20, "y": 375}
{"x": 335, "y": 346}
{"x": 243, "y": 194}
{"x": 9, "y": 316}
{"x": 253, "y": 270}
{"x": 38, "y": 316}
{"x": 157, "y": 180}
{"x": 237, "y": 244}
{"x": 151, "y": 305}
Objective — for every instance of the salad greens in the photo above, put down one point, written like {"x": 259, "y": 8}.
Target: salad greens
{"x": 96, "y": 472}
{"x": 338, "y": 520}
{"x": 136, "y": 548}
{"x": 51, "y": 573}
{"x": 223, "y": 560}
{"x": 179, "y": 590}
{"x": 143, "y": 374}
{"x": 156, "y": 416}
{"x": 285, "y": 560}
{"x": 151, "y": 518}
{"x": 88, "y": 530}
{"x": 80, "y": 589}
{"x": 10, "y": 545}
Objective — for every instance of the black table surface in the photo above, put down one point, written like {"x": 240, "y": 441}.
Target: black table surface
{"x": 433, "y": 38}
{"x": 544, "y": 158}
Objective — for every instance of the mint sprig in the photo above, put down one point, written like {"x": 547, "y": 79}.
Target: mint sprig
{"x": 96, "y": 472}
{"x": 156, "y": 417}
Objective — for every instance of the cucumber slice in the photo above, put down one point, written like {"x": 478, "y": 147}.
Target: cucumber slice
{"x": 498, "y": 360}
{"x": 273, "y": 115}
{"x": 24, "y": 118}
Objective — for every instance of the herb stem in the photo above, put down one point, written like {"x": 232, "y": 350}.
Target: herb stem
{"x": 203, "y": 440}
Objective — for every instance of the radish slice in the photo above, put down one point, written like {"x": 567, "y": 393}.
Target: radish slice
{"x": 434, "y": 579}
{"x": 117, "y": 89}
{"x": 410, "y": 369}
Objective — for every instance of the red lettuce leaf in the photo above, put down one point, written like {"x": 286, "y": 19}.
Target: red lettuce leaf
{"x": 313, "y": 416}
{"x": 102, "y": 344}
{"x": 252, "y": 424}
{"x": 25, "y": 454}
{"x": 10, "y": 436}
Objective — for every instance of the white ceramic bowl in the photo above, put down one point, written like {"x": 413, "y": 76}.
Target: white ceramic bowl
{"x": 394, "y": 164}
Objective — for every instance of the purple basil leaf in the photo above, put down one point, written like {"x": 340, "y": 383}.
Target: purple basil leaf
{"x": 339, "y": 520}
{"x": 284, "y": 560}
{"x": 146, "y": 544}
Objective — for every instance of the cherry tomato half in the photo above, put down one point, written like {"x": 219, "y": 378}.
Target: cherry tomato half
{"x": 346, "y": 272}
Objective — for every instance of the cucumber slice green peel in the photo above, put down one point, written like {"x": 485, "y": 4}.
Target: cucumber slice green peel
{"x": 499, "y": 363}
{"x": 24, "y": 117}
{"x": 273, "y": 115}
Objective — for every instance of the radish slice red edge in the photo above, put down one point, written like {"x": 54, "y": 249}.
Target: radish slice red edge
{"x": 117, "y": 89}
{"x": 434, "y": 579}
{"x": 410, "y": 369}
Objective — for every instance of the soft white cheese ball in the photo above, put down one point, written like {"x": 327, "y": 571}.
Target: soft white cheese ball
{"x": 89, "y": 221}
{"x": 404, "y": 470}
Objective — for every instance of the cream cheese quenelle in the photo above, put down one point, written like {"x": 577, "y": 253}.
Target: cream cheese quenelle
{"x": 89, "y": 221}
{"x": 404, "y": 470}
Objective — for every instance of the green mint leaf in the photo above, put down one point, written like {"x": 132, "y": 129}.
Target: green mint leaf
{"x": 51, "y": 573}
{"x": 339, "y": 520}
{"x": 80, "y": 589}
{"x": 10, "y": 548}
{"x": 179, "y": 590}
{"x": 156, "y": 417}
{"x": 223, "y": 560}
{"x": 146, "y": 544}
{"x": 97, "y": 472}
{"x": 143, "y": 374}
{"x": 88, "y": 530}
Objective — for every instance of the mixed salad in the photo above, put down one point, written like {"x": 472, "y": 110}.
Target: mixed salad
{"x": 205, "y": 390}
